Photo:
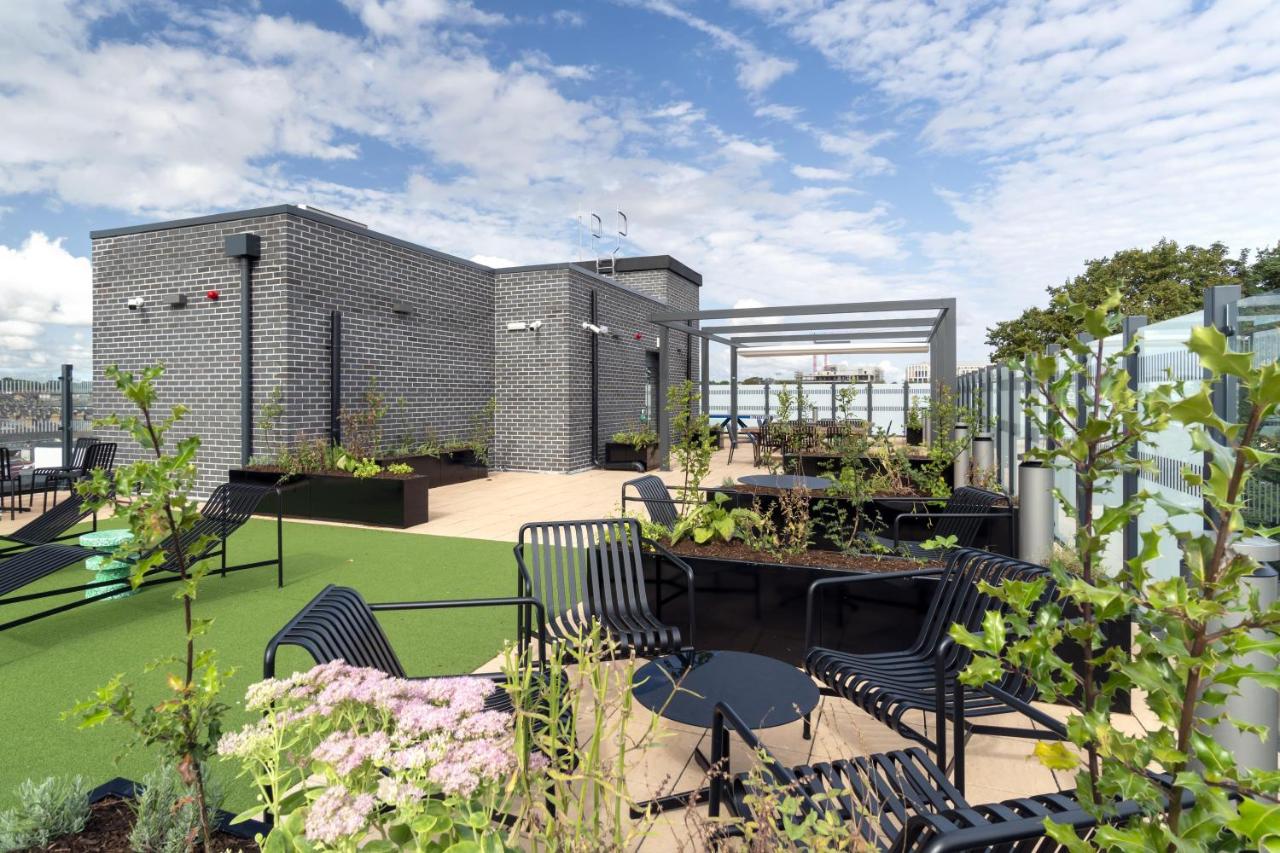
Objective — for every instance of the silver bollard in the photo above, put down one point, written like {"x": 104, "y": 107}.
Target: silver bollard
{"x": 984, "y": 461}
{"x": 1255, "y": 703}
{"x": 1035, "y": 512}
{"x": 960, "y": 468}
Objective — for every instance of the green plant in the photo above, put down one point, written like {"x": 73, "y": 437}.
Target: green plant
{"x": 399, "y": 468}
{"x": 692, "y": 445}
{"x": 584, "y": 718}
{"x": 347, "y": 759}
{"x": 164, "y": 815}
{"x": 54, "y": 807}
{"x": 1192, "y": 631}
{"x": 712, "y": 521}
{"x": 154, "y": 496}
{"x": 845, "y": 397}
{"x": 480, "y": 439}
{"x": 361, "y": 469}
{"x": 362, "y": 427}
{"x": 639, "y": 437}
{"x": 272, "y": 410}
{"x": 786, "y": 531}
{"x": 915, "y": 418}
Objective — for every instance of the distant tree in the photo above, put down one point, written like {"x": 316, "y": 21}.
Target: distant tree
{"x": 1164, "y": 281}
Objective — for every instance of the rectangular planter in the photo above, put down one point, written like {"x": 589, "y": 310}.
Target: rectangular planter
{"x": 451, "y": 466}
{"x": 382, "y": 501}
{"x": 625, "y": 457}
{"x": 760, "y": 607}
{"x": 823, "y": 464}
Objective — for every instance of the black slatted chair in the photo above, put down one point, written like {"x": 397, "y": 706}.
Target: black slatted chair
{"x": 968, "y": 508}
{"x": 897, "y": 801}
{"x": 890, "y": 685}
{"x": 50, "y": 526}
{"x": 653, "y": 493}
{"x": 339, "y": 625}
{"x": 226, "y": 510}
{"x": 50, "y": 478}
{"x": 594, "y": 569}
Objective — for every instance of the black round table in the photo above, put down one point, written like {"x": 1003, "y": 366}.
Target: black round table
{"x": 764, "y": 691}
{"x": 785, "y": 481}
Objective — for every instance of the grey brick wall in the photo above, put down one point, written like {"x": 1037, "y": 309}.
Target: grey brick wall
{"x": 436, "y": 367}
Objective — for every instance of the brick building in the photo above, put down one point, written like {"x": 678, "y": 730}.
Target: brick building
{"x": 439, "y": 335}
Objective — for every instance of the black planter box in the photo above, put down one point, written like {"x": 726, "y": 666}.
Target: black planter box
{"x": 760, "y": 607}
{"x": 625, "y": 457}
{"x": 825, "y": 464}
{"x": 127, "y": 789}
{"x": 915, "y": 436}
{"x": 381, "y": 501}
{"x": 451, "y": 466}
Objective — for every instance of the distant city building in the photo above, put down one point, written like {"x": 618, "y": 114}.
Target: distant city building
{"x": 920, "y": 372}
{"x": 843, "y": 373}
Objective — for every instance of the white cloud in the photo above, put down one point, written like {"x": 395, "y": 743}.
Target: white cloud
{"x": 757, "y": 70}
{"x": 814, "y": 173}
{"x": 395, "y": 17}
{"x": 1100, "y": 124}
{"x": 45, "y": 287}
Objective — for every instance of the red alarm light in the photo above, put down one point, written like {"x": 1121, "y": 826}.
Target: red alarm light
{"x": 639, "y": 337}
{"x": 211, "y": 295}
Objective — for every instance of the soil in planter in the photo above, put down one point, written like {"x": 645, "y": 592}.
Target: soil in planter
{"x": 110, "y": 822}
{"x": 813, "y": 558}
{"x": 336, "y": 472}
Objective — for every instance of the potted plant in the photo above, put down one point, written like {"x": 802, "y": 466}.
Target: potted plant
{"x": 915, "y": 424}
{"x": 635, "y": 448}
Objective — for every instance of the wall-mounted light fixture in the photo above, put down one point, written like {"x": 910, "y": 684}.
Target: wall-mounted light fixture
{"x": 135, "y": 302}
{"x": 594, "y": 329}
{"x": 521, "y": 326}
{"x": 404, "y": 309}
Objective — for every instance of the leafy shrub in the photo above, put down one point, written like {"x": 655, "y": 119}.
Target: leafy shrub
{"x": 639, "y": 437}
{"x": 46, "y": 810}
{"x": 399, "y": 468}
{"x": 165, "y": 819}
{"x": 711, "y": 521}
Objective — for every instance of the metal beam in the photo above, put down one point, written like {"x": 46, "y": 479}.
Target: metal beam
{"x": 835, "y": 349}
{"x": 834, "y": 337}
{"x": 822, "y": 325}
{"x": 688, "y": 328}
{"x": 805, "y": 310}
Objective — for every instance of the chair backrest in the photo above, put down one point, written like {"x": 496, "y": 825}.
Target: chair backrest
{"x": 581, "y": 570}
{"x": 958, "y": 599}
{"x": 79, "y": 449}
{"x": 966, "y": 499}
{"x": 656, "y": 499}
{"x": 6, "y": 464}
{"x": 51, "y": 524}
{"x": 101, "y": 454}
{"x": 336, "y": 625}
{"x": 226, "y": 510}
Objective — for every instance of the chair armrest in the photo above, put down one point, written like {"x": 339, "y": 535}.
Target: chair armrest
{"x": 664, "y": 554}
{"x": 510, "y": 601}
{"x": 819, "y": 585}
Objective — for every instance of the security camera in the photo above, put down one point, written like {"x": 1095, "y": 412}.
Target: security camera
{"x": 135, "y": 303}
{"x": 594, "y": 329}
{"x": 535, "y": 325}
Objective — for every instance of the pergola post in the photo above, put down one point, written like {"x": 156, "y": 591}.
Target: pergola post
{"x": 664, "y": 419}
{"x": 705, "y": 374}
{"x": 942, "y": 350}
{"x": 733, "y": 392}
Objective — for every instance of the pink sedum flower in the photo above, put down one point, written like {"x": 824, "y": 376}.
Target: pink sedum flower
{"x": 338, "y": 814}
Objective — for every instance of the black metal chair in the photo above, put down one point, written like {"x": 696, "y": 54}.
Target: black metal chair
{"x": 897, "y": 801}
{"x": 889, "y": 685}
{"x": 338, "y": 624}
{"x": 50, "y": 526}
{"x": 11, "y": 485}
{"x": 226, "y": 510}
{"x": 97, "y": 455}
{"x": 50, "y": 478}
{"x": 594, "y": 569}
{"x": 656, "y": 497}
{"x": 968, "y": 508}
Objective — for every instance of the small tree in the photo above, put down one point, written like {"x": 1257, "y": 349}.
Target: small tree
{"x": 1193, "y": 632}
{"x": 692, "y": 445}
{"x": 154, "y": 495}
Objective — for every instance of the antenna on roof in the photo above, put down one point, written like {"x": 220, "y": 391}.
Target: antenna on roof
{"x": 607, "y": 264}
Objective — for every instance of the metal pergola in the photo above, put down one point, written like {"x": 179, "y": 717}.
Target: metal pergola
{"x": 906, "y": 325}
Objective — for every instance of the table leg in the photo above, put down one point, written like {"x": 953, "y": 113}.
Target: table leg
{"x": 670, "y": 802}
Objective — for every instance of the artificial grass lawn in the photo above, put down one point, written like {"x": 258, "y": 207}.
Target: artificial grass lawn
{"x": 48, "y": 665}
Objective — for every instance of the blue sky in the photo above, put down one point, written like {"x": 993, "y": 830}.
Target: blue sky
{"x": 790, "y": 150}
